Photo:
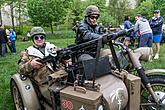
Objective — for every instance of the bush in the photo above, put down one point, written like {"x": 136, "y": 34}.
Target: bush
{"x": 61, "y": 34}
{"x": 56, "y": 35}
{"x": 21, "y": 31}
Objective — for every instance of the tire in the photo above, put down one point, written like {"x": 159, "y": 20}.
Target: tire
{"x": 17, "y": 98}
{"x": 158, "y": 84}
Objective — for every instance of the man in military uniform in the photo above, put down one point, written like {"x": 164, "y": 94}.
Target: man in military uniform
{"x": 29, "y": 64}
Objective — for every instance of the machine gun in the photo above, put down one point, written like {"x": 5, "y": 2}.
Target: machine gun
{"x": 75, "y": 50}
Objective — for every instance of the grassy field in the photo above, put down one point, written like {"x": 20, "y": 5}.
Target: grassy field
{"x": 8, "y": 67}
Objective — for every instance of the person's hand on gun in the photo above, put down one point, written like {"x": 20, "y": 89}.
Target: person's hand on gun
{"x": 35, "y": 64}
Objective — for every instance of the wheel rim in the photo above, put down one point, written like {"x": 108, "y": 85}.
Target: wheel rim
{"x": 17, "y": 98}
{"x": 146, "y": 100}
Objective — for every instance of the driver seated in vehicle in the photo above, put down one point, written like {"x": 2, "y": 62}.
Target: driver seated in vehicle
{"x": 88, "y": 30}
{"x": 29, "y": 64}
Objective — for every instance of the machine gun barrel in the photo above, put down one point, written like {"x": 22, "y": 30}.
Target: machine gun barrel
{"x": 113, "y": 36}
{"x": 105, "y": 38}
{"x": 68, "y": 51}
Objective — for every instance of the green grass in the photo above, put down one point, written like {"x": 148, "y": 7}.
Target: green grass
{"x": 8, "y": 67}
{"x": 160, "y": 63}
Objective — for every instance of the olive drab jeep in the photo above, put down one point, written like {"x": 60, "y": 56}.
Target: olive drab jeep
{"x": 92, "y": 84}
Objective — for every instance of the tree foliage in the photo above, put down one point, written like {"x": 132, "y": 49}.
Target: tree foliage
{"x": 145, "y": 9}
{"x": 56, "y": 12}
{"x": 46, "y": 12}
{"x": 74, "y": 11}
{"x": 117, "y": 9}
{"x": 159, "y": 4}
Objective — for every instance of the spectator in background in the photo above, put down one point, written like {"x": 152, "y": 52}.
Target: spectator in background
{"x": 9, "y": 42}
{"x": 3, "y": 41}
{"x": 156, "y": 24}
{"x": 127, "y": 25}
{"x": 142, "y": 26}
{"x": 75, "y": 27}
{"x": 28, "y": 35}
{"x": 12, "y": 37}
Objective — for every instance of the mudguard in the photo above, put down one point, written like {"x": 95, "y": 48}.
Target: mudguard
{"x": 28, "y": 94}
{"x": 155, "y": 71}
{"x": 114, "y": 92}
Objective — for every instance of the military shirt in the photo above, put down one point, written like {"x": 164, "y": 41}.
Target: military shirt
{"x": 40, "y": 75}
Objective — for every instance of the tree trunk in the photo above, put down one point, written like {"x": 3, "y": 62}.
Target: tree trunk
{"x": 51, "y": 26}
{"x": 19, "y": 9}
{"x": 12, "y": 14}
{"x": 0, "y": 17}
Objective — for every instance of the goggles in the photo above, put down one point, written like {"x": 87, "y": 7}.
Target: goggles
{"x": 94, "y": 17}
{"x": 37, "y": 37}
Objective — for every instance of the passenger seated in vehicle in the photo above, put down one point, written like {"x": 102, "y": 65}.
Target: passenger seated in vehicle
{"x": 29, "y": 64}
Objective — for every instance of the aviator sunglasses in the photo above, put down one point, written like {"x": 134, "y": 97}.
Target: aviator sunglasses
{"x": 37, "y": 37}
{"x": 93, "y": 17}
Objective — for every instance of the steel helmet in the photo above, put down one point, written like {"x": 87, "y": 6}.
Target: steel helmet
{"x": 156, "y": 11}
{"x": 92, "y": 10}
{"x": 36, "y": 31}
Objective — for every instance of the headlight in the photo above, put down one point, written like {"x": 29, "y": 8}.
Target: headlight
{"x": 100, "y": 107}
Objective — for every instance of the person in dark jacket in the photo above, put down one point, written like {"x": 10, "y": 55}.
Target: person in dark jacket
{"x": 156, "y": 24}
{"x": 127, "y": 25}
{"x": 75, "y": 27}
{"x": 88, "y": 28}
{"x": 3, "y": 41}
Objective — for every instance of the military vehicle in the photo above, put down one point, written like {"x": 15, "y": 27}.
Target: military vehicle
{"x": 95, "y": 83}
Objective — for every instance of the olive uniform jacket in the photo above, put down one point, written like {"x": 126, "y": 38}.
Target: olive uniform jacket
{"x": 40, "y": 75}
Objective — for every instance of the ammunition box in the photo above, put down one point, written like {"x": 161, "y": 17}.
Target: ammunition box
{"x": 72, "y": 99}
{"x": 133, "y": 84}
